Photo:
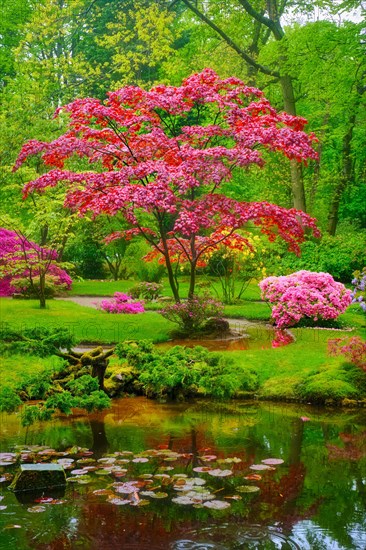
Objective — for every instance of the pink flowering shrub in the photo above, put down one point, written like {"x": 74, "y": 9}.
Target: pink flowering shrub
{"x": 194, "y": 313}
{"x": 354, "y": 349}
{"x": 306, "y": 294}
{"x": 22, "y": 261}
{"x": 122, "y": 303}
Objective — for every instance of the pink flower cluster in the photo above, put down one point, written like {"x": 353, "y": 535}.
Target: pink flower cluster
{"x": 122, "y": 303}
{"x": 304, "y": 294}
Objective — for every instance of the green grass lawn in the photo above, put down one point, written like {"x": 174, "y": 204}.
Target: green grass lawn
{"x": 85, "y": 323}
{"x": 108, "y": 288}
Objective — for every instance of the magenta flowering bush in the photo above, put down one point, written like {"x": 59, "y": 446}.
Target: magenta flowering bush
{"x": 122, "y": 303}
{"x": 23, "y": 262}
{"x": 308, "y": 294}
{"x": 193, "y": 314}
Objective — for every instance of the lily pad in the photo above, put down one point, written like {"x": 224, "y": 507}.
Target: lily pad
{"x": 272, "y": 461}
{"x": 220, "y": 473}
{"x": 118, "y": 501}
{"x": 260, "y": 467}
{"x": 140, "y": 459}
{"x": 216, "y": 504}
{"x": 247, "y": 489}
{"x": 182, "y": 500}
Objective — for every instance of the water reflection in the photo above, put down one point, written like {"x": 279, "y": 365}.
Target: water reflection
{"x": 315, "y": 499}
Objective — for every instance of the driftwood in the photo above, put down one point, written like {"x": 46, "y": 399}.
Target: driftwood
{"x": 93, "y": 362}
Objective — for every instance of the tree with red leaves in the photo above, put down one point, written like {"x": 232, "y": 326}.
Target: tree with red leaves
{"x": 160, "y": 157}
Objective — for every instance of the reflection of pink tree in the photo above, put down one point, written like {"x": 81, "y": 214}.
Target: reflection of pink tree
{"x": 24, "y": 265}
{"x": 161, "y": 157}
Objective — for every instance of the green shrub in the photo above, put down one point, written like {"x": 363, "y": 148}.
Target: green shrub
{"x": 9, "y": 399}
{"x": 340, "y": 256}
{"x": 182, "y": 372}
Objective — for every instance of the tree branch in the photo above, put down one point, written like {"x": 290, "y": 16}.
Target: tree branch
{"x": 229, "y": 41}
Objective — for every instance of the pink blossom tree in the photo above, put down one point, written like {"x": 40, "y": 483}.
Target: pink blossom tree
{"x": 160, "y": 157}
{"x": 24, "y": 265}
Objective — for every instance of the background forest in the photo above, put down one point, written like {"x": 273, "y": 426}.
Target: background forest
{"x": 308, "y": 58}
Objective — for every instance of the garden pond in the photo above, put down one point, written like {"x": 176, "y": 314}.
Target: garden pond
{"x": 190, "y": 476}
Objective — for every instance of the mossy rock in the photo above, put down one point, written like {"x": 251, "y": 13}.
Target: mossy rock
{"x": 33, "y": 477}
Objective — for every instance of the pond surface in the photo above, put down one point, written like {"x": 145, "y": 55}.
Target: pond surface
{"x": 191, "y": 476}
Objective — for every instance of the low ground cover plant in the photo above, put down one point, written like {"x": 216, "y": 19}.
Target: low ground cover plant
{"x": 304, "y": 294}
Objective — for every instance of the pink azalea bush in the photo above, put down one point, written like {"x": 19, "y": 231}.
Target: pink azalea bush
{"x": 122, "y": 303}
{"x": 304, "y": 294}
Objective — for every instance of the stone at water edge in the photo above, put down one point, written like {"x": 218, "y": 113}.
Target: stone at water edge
{"x": 33, "y": 477}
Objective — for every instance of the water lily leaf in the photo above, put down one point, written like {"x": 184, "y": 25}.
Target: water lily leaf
{"x": 199, "y": 495}
{"x": 261, "y": 467}
{"x": 126, "y": 488}
{"x": 180, "y": 476}
{"x": 78, "y": 472}
{"x": 118, "y": 501}
{"x": 220, "y": 473}
{"x": 201, "y": 469}
{"x": 247, "y": 489}
{"x": 253, "y": 477}
{"x": 147, "y": 493}
{"x": 65, "y": 461}
{"x": 44, "y": 500}
{"x": 82, "y": 460}
{"x": 216, "y": 504}
{"x": 103, "y": 472}
{"x": 272, "y": 461}
{"x": 208, "y": 458}
{"x": 8, "y": 456}
{"x": 140, "y": 459}
{"x": 7, "y": 462}
{"x": 3, "y": 507}
{"x": 141, "y": 502}
{"x": 234, "y": 497}
{"x": 107, "y": 460}
{"x": 37, "y": 509}
{"x": 145, "y": 476}
{"x": 160, "y": 494}
{"x": 182, "y": 500}
{"x": 195, "y": 481}
{"x": 230, "y": 460}
{"x": 13, "y": 526}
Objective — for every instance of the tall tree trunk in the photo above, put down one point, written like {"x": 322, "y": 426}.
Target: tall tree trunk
{"x": 297, "y": 183}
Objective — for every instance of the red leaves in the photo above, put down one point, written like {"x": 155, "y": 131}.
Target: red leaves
{"x": 152, "y": 164}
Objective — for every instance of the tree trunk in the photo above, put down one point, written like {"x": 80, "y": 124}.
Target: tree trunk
{"x": 192, "y": 281}
{"x": 42, "y": 291}
{"x": 297, "y": 183}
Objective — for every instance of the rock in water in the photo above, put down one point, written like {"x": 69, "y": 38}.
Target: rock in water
{"x": 33, "y": 477}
